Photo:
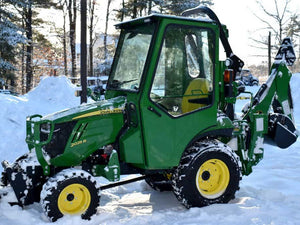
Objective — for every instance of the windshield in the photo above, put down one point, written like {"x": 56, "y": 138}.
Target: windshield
{"x": 131, "y": 57}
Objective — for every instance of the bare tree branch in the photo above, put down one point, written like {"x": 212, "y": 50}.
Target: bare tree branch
{"x": 277, "y": 27}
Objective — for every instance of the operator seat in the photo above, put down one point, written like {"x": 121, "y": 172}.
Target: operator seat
{"x": 197, "y": 91}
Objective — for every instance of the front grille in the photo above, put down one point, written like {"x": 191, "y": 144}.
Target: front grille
{"x": 60, "y": 137}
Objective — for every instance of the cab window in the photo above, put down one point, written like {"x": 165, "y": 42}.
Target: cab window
{"x": 183, "y": 80}
{"x": 131, "y": 57}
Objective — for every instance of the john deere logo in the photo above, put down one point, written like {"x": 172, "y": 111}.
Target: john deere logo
{"x": 78, "y": 143}
{"x": 99, "y": 113}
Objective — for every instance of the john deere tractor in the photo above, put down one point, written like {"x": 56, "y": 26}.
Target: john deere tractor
{"x": 168, "y": 115}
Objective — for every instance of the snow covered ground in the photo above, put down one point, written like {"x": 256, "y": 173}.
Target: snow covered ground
{"x": 270, "y": 195}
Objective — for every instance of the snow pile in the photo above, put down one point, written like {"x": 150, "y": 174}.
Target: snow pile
{"x": 51, "y": 95}
{"x": 295, "y": 84}
{"x": 56, "y": 92}
{"x": 270, "y": 195}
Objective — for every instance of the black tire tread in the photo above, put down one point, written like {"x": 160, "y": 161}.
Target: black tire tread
{"x": 188, "y": 157}
{"x": 53, "y": 186}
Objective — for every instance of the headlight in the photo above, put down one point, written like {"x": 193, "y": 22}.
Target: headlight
{"x": 45, "y": 129}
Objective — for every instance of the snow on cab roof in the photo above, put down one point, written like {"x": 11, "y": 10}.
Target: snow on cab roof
{"x": 155, "y": 16}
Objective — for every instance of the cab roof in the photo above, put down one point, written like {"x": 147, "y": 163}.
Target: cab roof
{"x": 158, "y": 17}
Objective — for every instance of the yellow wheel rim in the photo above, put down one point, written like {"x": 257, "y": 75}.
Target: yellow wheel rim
{"x": 212, "y": 178}
{"x": 74, "y": 199}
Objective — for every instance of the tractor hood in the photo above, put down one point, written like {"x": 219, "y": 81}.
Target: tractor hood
{"x": 67, "y": 137}
{"x": 105, "y": 107}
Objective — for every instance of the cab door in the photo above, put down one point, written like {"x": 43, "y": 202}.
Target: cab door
{"x": 180, "y": 102}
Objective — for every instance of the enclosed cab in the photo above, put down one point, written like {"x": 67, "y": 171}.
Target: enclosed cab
{"x": 168, "y": 68}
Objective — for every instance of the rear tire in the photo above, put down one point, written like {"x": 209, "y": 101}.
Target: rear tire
{"x": 209, "y": 172}
{"x": 70, "y": 192}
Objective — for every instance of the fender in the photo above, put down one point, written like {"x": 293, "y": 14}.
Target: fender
{"x": 213, "y": 134}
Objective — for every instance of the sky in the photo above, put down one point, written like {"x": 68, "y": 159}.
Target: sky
{"x": 237, "y": 15}
{"x": 240, "y": 21}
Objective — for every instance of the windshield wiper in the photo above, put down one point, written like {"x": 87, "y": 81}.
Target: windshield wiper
{"x": 117, "y": 83}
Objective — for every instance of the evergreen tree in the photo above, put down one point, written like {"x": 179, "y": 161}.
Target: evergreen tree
{"x": 28, "y": 11}
{"x": 137, "y": 8}
{"x": 176, "y": 7}
{"x": 134, "y": 9}
{"x": 91, "y": 28}
{"x": 106, "y": 28}
{"x": 72, "y": 12}
{"x": 62, "y": 34}
{"x": 10, "y": 38}
{"x": 293, "y": 27}
{"x": 293, "y": 31}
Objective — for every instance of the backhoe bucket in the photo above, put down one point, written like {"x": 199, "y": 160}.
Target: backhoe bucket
{"x": 282, "y": 130}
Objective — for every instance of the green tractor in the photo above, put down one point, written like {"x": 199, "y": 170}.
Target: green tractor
{"x": 168, "y": 115}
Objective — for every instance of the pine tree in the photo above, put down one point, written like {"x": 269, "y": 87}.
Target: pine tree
{"x": 10, "y": 38}
{"x": 137, "y": 8}
{"x": 293, "y": 31}
{"x": 106, "y": 28}
{"x": 27, "y": 11}
{"x": 293, "y": 27}
{"x": 134, "y": 9}
{"x": 176, "y": 7}
{"x": 72, "y": 12}
{"x": 62, "y": 34}
{"x": 91, "y": 28}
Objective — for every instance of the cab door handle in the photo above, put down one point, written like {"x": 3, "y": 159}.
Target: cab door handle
{"x": 150, "y": 108}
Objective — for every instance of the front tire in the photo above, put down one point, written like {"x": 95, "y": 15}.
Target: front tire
{"x": 209, "y": 172}
{"x": 70, "y": 192}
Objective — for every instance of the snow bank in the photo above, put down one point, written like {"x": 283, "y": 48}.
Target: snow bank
{"x": 51, "y": 95}
{"x": 56, "y": 92}
{"x": 295, "y": 84}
